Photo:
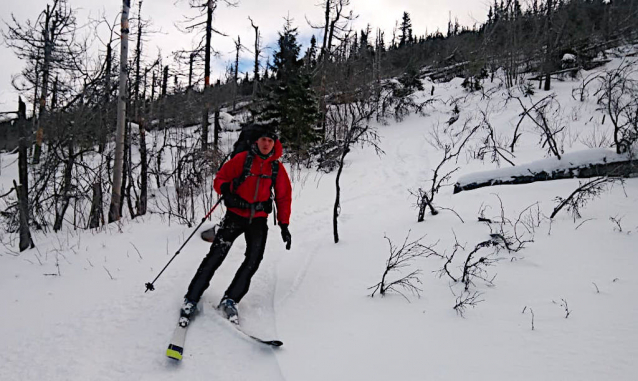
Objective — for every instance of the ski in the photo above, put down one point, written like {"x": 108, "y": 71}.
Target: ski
{"x": 175, "y": 349}
{"x": 272, "y": 343}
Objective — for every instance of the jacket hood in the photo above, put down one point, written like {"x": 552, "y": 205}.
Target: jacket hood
{"x": 277, "y": 151}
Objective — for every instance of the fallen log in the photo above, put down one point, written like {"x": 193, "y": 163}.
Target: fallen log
{"x": 584, "y": 164}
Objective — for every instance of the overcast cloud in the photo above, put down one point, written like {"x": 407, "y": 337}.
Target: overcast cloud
{"x": 427, "y": 16}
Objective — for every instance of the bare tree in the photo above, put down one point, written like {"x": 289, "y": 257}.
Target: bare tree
{"x": 451, "y": 150}
{"x": 49, "y": 47}
{"x": 351, "y": 119}
{"x": 618, "y": 95}
{"x": 194, "y": 24}
{"x": 116, "y": 196}
{"x": 549, "y": 121}
{"x": 257, "y": 53}
{"x": 335, "y": 22}
{"x": 492, "y": 145}
{"x": 335, "y": 25}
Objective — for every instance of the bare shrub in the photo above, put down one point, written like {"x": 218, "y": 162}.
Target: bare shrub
{"x": 402, "y": 257}
{"x": 583, "y": 194}
{"x": 618, "y": 97}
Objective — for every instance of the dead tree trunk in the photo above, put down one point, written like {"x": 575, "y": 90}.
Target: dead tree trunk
{"x": 337, "y": 207}
{"x": 325, "y": 31}
{"x": 24, "y": 134}
{"x": 257, "y": 52}
{"x": 205, "y": 125}
{"x": 141, "y": 120}
{"x": 548, "y": 56}
{"x": 162, "y": 99}
{"x": 66, "y": 187}
{"x": 217, "y": 128}
{"x": 116, "y": 198}
{"x": 107, "y": 99}
{"x": 22, "y": 190}
{"x": 236, "y": 74}
{"x": 25, "y": 235}
{"x": 207, "y": 52}
{"x": 153, "y": 82}
{"x": 191, "y": 58}
{"x": 165, "y": 82}
{"x": 96, "y": 216}
{"x": 49, "y": 34}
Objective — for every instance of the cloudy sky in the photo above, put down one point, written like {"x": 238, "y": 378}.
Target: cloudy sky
{"x": 426, "y": 15}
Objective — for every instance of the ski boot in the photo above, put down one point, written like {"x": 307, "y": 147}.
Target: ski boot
{"x": 229, "y": 308}
{"x": 186, "y": 312}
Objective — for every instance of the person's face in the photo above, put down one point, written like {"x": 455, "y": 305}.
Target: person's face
{"x": 265, "y": 145}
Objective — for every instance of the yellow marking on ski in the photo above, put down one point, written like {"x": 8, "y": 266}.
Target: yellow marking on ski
{"x": 173, "y": 354}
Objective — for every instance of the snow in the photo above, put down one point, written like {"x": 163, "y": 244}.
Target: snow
{"x": 570, "y": 160}
{"x": 75, "y": 308}
{"x": 568, "y": 57}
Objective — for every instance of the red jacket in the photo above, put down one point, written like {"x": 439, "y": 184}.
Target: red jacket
{"x": 256, "y": 189}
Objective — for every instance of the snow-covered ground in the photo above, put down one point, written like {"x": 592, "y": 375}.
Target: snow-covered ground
{"x": 561, "y": 308}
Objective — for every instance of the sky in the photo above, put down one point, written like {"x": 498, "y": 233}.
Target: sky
{"x": 426, "y": 16}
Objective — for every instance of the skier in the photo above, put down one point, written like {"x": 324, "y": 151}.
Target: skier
{"x": 246, "y": 183}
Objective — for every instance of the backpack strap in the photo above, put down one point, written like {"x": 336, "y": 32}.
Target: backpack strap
{"x": 248, "y": 163}
{"x": 267, "y": 205}
{"x": 273, "y": 176}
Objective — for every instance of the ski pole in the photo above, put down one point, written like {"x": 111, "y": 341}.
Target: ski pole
{"x": 149, "y": 285}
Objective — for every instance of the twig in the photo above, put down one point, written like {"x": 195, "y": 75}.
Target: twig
{"x": 138, "y": 252}
{"x": 617, "y": 220}
{"x": 108, "y": 272}
{"x": 467, "y": 299}
{"x": 566, "y": 307}
{"x": 532, "y": 312}
{"x": 453, "y": 211}
{"x": 589, "y": 219}
{"x": 595, "y": 285}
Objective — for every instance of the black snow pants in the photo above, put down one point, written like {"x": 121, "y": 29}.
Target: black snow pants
{"x": 232, "y": 226}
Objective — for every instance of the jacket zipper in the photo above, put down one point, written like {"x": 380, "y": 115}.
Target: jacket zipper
{"x": 252, "y": 208}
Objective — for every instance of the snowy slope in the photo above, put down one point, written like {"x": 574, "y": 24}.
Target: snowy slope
{"x": 74, "y": 308}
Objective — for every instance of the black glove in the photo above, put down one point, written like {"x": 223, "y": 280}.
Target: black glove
{"x": 231, "y": 200}
{"x": 225, "y": 188}
{"x": 285, "y": 235}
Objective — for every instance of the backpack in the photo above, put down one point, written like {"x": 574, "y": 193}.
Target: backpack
{"x": 247, "y": 137}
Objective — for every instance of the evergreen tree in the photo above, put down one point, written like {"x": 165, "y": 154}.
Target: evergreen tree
{"x": 364, "y": 43}
{"x": 291, "y": 105}
{"x": 310, "y": 58}
{"x": 406, "y": 30}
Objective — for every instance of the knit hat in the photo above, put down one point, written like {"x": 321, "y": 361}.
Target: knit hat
{"x": 266, "y": 132}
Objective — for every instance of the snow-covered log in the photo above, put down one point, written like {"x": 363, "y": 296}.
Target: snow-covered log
{"x": 582, "y": 164}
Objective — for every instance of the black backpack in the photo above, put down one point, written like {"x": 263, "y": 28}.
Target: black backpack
{"x": 247, "y": 137}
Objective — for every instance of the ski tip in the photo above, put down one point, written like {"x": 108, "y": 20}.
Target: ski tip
{"x": 174, "y": 352}
{"x": 272, "y": 343}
